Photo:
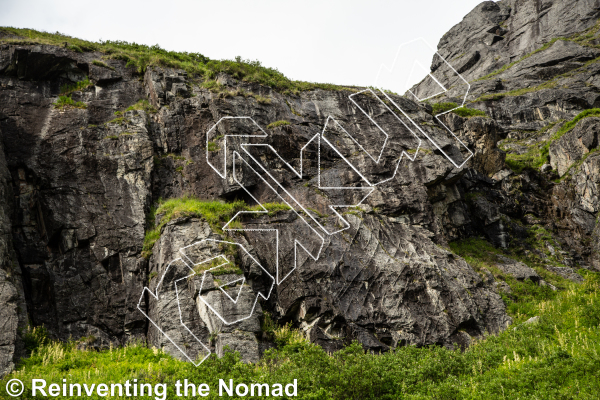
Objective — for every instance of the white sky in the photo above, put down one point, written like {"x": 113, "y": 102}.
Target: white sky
{"x": 342, "y": 42}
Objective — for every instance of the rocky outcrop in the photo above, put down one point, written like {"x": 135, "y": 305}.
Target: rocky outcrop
{"x": 575, "y": 144}
{"x": 79, "y": 184}
{"x": 13, "y": 310}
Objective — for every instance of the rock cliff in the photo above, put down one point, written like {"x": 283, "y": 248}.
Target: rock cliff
{"x": 78, "y": 185}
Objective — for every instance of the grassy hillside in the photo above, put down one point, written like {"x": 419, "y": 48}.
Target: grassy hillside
{"x": 555, "y": 358}
{"x": 140, "y": 57}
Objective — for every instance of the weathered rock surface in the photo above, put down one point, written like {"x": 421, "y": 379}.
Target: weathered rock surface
{"x": 575, "y": 144}
{"x": 78, "y": 184}
{"x": 13, "y": 310}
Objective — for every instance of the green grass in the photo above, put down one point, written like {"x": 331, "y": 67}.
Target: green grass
{"x": 212, "y": 146}
{"x": 226, "y": 269}
{"x": 539, "y": 154}
{"x": 278, "y": 123}
{"x": 102, "y": 64}
{"x": 81, "y": 85}
{"x": 263, "y": 100}
{"x": 216, "y": 213}
{"x": 464, "y": 112}
{"x": 521, "y": 302}
{"x": 66, "y": 102}
{"x": 143, "y": 105}
{"x": 469, "y": 112}
{"x": 556, "y": 358}
{"x": 197, "y": 65}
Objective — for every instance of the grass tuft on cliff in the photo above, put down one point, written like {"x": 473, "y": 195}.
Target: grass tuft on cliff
{"x": 141, "y": 57}
{"x": 216, "y": 213}
{"x": 558, "y": 357}
{"x": 464, "y": 112}
{"x": 66, "y": 102}
{"x": 275, "y": 124}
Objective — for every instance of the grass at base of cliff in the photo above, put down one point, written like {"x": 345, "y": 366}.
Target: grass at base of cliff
{"x": 555, "y": 358}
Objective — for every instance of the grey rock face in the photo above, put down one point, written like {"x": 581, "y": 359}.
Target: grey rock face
{"x": 576, "y": 143}
{"x": 543, "y": 59}
{"x": 81, "y": 185}
{"x": 518, "y": 270}
{"x": 13, "y": 309}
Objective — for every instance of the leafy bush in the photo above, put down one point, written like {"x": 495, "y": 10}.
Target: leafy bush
{"x": 34, "y": 337}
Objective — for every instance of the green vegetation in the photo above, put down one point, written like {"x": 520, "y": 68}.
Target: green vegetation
{"x": 521, "y": 302}
{"x": 464, "y": 112}
{"x": 197, "y": 65}
{"x": 102, "y": 64}
{"x": 66, "y": 102}
{"x": 143, "y": 105}
{"x": 538, "y": 154}
{"x": 555, "y": 358}
{"x": 272, "y": 208}
{"x": 212, "y": 146}
{"x": 262, "y": 100}
{"x": 469, "y": 112}
{"x": 228, "y": 268}
{"x": 81, "y": 85}
{"x": 216, "y": 213}
{"x": 278, "y": 123}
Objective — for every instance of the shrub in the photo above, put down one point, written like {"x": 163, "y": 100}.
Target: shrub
{"x": 35, "y": 337}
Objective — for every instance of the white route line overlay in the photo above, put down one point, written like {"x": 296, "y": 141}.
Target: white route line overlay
{"x": 318, "y": 137}
{"x": 444, "y": 90}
